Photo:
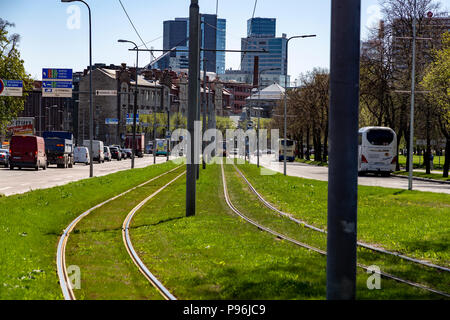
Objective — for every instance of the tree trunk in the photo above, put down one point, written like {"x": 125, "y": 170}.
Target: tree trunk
{"x": 447, "y": 158}
{"x": 397, "y": 165}
{"x": 325, "y": 144}
{"x": 427, "y": 155}
{"x": 308, "y": 147}
{"x": 300, "y": 146}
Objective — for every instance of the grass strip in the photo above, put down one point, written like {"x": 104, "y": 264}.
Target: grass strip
{"x": 215, "y": 255}
{"x": 96, "y": 247}
{"x": 412, "y": 222}
{"x": 31, "y": 224}
{"x": 248, "y": 203}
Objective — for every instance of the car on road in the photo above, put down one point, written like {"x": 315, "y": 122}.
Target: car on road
{"x": 28, "y": 152}
{"x": 4, "y": 157}
{"x": 97, "y": 150}
{"x": 115, "y": 153}
{"x": 107, "y": 153}
{"x": 128, "y": 153}
{"x": 81, "y": 155}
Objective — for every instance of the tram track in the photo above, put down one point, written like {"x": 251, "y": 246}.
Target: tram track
{"x": 359, "y": 243}
{"x": 315, "y": 249}
{"x": 132, "y": 252}
{"x": 64, "y": 280}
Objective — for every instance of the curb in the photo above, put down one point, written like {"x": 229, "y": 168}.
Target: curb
{"x": 421, "y": 179}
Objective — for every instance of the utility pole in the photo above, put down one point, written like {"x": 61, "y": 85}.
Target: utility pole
{"x": 154, "y": 123}
{"x": 413, "y": 86}
{"x": 204, "y": 110}
{"x": 168, "y": 124}
{"x": 193, "y": 86}
{"x": 343, "y": 157}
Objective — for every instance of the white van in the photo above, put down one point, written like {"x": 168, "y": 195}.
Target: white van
{"x": 97, "y": 150}
{"x": 81, "y": 155}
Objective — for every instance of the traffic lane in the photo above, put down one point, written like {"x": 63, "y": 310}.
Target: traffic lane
{"x": 20, "y": 181}
{"x": 321, "y": 173}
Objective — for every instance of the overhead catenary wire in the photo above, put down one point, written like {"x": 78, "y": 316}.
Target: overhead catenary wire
{"x": 132, "y": 24}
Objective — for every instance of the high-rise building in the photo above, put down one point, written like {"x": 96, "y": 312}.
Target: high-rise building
{"x": 176, "y": 35}
{"x": 261, "y": 27}
{"x": 261, "y": 36}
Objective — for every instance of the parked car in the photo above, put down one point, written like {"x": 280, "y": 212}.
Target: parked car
{"x": 128, "y": 153}
{"x": 28, "y": 152}
{"x": 115, "y": 153}
{"x": 97, "y": 150}
{"x": 81, "y": 155}
{"x": 123, "y": 153}
{"x": 4, "y": 157}
{"x": 107, "y": 153}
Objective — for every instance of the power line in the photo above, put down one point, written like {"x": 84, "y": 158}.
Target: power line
{"x": 132, "y": 24}
{"x": 246, "y": 42}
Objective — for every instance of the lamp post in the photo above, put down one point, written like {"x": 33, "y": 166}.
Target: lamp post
{"x": 259, "y": 110}
{"x": 413, "y": 80}
{"x": 285, "y": 96}
{"x": 133, "y": 152}
{"x": 91, "y": 109}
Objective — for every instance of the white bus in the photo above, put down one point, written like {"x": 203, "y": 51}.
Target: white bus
{"x": 290, "y": 150}
{"x": 377, "y": 150}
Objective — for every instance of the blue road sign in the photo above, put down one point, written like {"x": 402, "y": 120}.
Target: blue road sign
{"x": 56, "y": 74}
{"x": 13, "y": 83}
{"x": 57, "y": 84}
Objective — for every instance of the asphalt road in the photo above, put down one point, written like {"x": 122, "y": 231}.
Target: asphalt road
{"x": 20, "y": 181}
{"x": 321, "y": 173}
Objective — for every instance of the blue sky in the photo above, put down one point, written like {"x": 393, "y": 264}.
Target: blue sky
{"x": 47, "y": 42}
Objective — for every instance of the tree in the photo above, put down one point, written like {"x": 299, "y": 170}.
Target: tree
{"x": 11, "y": 68}
{"x": 437, "y": 82}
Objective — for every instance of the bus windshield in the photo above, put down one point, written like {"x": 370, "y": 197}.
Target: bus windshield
{"x": 380, "y": 137}
{"x": 289, "y": 143}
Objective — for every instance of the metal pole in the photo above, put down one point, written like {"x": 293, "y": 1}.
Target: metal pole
{"x": 343, "y": 157}
{"x": 91, "y": 98}
{"x": 154, "y": 125}
{"x": 204, "y": 110}
{"x": 133, "y": 152}
{"x": 168, "y": 124}
{"x": 285, "y": 108}
{"x": 40, "y": 114}
{"x": 193, "y": 86}
{"x": 413, "y": 87}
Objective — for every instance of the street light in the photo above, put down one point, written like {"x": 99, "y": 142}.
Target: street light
{"x": 285, "y": 95}
{"x": 259, "y": 110}
{"x": 91, "y": 98}
{"x": 133, "y": 145}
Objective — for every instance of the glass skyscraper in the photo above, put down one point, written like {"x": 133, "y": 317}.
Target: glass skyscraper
{"x": 261, "y": 27}
{"x": 176, "y": 34}
{"x": 261, "y": 35}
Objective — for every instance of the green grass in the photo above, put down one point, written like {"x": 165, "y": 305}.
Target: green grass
{"x": 316, "y": 163}
{"x": 31, "y": 223}
{"x": 438, "y": 162}
{"x": 413, "y": 222}
{"x": 216, "y": 255}
{"x": 249, "y": 204}
{"x": 96, "y": 247}
{"x": 434, "y": 176}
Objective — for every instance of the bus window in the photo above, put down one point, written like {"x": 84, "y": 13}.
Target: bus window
{"x": 289, "y": 143}
{"x": 380, "y": 137}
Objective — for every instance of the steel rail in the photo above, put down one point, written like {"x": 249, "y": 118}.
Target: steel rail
{"x": 320, "y": 251}
{"x": 132, "y": 252}
{"x": 359, "y": 243}
{"x": 64, "y": 280}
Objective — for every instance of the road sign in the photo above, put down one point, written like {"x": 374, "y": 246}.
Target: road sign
{"x": 11, "y": 88}
{"x": 57, "y": 74}
{"x": 57, "y": 82}
{"x": 106, "y": 92}
{"x": 111, "y": 121}
{"x": 130, "y": 118}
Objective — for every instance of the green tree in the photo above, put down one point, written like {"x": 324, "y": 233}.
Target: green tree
{"x": 11, "y": 68}
{"x": 437, "y": 82}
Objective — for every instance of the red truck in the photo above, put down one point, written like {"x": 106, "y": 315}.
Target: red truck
{"x": 27, "y": 152}
{"x": 140, "y": 143}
